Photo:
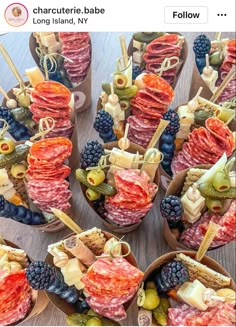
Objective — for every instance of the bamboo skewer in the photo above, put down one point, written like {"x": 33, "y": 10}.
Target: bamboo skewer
{"x": 11, "y": 64}
{"x": 220, "y": 89}
{"x": 124, "y": 142}
{"x": 67, "y": 220}
{"x": 4, "y": 94}
{"x": 124, "y": 49}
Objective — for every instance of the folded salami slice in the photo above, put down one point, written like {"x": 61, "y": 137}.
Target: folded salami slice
{"x": 205, "y": 145}
{"x": 76, "y": 47}
{"x": 166, "y": 46}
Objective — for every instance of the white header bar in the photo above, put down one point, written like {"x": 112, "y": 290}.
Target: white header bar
{"x": 121, "y": 15}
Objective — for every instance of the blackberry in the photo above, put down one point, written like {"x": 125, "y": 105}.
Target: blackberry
{"x": 91, "y": 154}
{"x": 171, "y": 208}
{"x": 42, "y": 276}
{"x": 103, "y": 122}
{"x": 172, "y": 274}
{"x": 173, "y": 118}
{"x": 201, "y": 45}
{"x": 136, "y": 71}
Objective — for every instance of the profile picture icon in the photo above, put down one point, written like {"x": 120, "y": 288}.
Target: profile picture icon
{"x": 16, "y": 11}
{"x": 16, "y": 14}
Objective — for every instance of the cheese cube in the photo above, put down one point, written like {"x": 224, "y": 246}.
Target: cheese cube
{"x": 121, "y": 158}
{"x": 210, "y": 80}
{"x": 191, "y": 218}
{"x": 193, "y": 206}
{"x": 139, "y": 45}
{"x": 138, "y": 57}
{"x": 73, "y": 271}
{"x": 48, "y": 40}
{"x": 185, "y": 117}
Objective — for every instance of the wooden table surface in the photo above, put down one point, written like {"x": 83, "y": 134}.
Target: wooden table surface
{"x": 147, "y": 241}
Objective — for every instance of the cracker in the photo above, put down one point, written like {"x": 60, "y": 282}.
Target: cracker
{"x": 192, "y": 177}
{"x": 94, "y": 239}
{"x": 207, "y": 276}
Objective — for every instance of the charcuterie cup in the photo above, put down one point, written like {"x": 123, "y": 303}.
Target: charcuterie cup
{"x": 69, "y": 308}
{"x": 175, "y": 188}
{"x": 155, "y": 268}
{"x": 133, "y": 148}
{"x": 81, "y": 93}
{"x": 39, "y": 298}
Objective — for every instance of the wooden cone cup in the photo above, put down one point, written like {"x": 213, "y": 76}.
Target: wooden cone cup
{"x": 39, "y": 298}
{"x": 209, "y": 262}
{"x": 82, "y": 92}
{"x": 55, "y": 225}
{"x": 196, "y": 83}
{"x": 69, "y": 308}
{"x": 183, "y": 56}
{"x": 175, "y": 188}
{"x": 133, "y": 148}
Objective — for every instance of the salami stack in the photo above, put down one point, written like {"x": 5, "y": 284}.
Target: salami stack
{"x": 76, "y": 46}
{"x": 46, "y": 174}
{"x": 222, "y": 314}
{"x": 230, "y": 60}
{"x": 147, "y": 108}
{"x": 51, "y": 99}
{"x": 166, "y": 46}
{"x": 15, "y": 298}
{"x": 193, "y": 236}
{"x": 109, "y": 284}
{"x": 205, "y": 145}
{"x": 133, "y": 199}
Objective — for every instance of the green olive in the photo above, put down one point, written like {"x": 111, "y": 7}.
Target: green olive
{"x": 214, "y": 205}
{"x": 7, "y": 146}
{"x": 96, "y": 177}
{"x": 120, "y": 81}
{"x": 92, "y": 195}
{"x": 221, "y": 181}
{"x": 18, "y": 170}
{"x": 94, "y": 322}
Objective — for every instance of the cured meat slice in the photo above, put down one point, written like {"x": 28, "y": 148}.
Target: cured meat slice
{"x": 193, "y": 236}
{"x": 205, "y": 145}
{"x": 15, "y": 298}
{"x": 110, "y": 284}
{"x": 222, "y": 314}
{"x": 133, "y": 199}
{"x": 76, "y": 47}
{"x": 166, "y": 46}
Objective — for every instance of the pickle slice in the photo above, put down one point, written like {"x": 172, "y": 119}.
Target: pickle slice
{"x": 212, "y": 230}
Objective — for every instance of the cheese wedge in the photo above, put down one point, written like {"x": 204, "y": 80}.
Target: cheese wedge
{"x": 191, "y": 293}
{"x": 185, "y": 117}
{"x": 73, "y": 271}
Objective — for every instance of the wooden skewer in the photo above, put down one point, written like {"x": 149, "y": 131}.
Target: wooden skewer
{"x": 11, "y": 64}
{"x": 223, "y": 85}
{"x": 4, "y": 94}
{"x": 212, "y": 230}
{"x": 218, "y": 36}
{"x": 67, "y": 220}
{"x": 124, "y": 49}
{"x": 124, "y": 142}
{"x": 112, "y": 89}
{"x": 160, "y": 129}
